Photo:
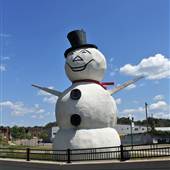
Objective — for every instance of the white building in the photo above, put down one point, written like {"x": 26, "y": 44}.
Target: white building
{"x": 165, "y": 129}
{"x": 126, "y": 129}
{"x": 54, "y": 131}
{"x": 121, "y": 129}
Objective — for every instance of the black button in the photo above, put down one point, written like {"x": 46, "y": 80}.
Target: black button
{"x": 75, "y": 94}
{"x": 75, "y": 120}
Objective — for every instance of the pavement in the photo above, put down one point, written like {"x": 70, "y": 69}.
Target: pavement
{"x": 147, "y": 164}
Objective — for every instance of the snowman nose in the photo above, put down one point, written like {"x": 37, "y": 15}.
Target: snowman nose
{"x": 75, "y": 119}
{"x": 77, "y": 58}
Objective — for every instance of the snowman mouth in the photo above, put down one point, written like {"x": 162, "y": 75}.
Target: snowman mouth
{"x": 79, "y": 68}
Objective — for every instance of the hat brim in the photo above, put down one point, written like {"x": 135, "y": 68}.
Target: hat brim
{"x": 78, "y": 47}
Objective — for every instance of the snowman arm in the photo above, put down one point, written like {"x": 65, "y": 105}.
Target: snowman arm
{"x": 51, "y": 91}
{"x": 118, "y": 88}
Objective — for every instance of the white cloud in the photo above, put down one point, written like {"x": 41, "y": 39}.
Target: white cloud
{"x": 158, "y": 97}
{"x": 38, "y": 116}
{"x": 118, "y": 101}
{"x": 153, "y": 68}
{"x": 41, "y": 116}
{"x": 2, "y": 68}
{"x": 135, "y": 101}
{"x": 49, "y": 98}
{"x": 160, "y": 105}
{"x": 113, "y": 70}
{"x": 5, "y": 35}
{"x": 2, "y": 65}
{"x": 112, "y": 73}
{"x": 159, "y": 109}
{"x": 132, "y": 86}
{"x": 132, "y": 111}
{"x": 142, "y": 84}
{"x": 20, "y": 109}
{"x": 40, "y": 111}
{"x": 111, "y": 59}
{"x": 4, "y": 58}
{"x": 162, "y": 115}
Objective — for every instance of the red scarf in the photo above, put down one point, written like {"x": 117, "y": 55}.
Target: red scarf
{"x": 103, "y": 84}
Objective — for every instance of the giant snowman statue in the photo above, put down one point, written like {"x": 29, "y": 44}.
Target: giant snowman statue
{"x": 86, "y": 111}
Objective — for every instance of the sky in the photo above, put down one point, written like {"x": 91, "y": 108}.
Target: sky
{"x": 132, "y": 34}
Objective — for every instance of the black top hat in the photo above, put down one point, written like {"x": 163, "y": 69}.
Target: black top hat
{"x": 77, "y": 40}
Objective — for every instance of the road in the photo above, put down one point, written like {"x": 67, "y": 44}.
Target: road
{"x": 135, "y": 165}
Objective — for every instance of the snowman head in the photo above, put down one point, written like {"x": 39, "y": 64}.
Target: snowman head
{"x": 83, "y": 61}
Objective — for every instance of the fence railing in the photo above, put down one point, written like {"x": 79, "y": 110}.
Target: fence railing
{"x": 121, "y": 153}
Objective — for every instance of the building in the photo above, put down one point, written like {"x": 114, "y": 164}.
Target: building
{"x": 53, "y": 132}
{"x": 133, "y": 134}
{"x": 163, "y": 135}
{"x": 126, "y": 129}
{"x": 164, "y": 129}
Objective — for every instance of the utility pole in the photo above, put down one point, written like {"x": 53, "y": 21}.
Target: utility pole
{"x": 152, "y": 123}
{"x": 131, "y": 129}
{"x": 146, "y": 110}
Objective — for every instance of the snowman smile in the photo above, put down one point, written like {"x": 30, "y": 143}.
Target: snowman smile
{"x": 79, "y": 68}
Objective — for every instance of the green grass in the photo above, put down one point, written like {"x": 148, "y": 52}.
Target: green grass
{"x": 31, "y": 147}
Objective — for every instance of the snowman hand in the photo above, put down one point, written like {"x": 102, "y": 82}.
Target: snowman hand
{"x": 118, "y": 88}
{"x": 51, "y": 91}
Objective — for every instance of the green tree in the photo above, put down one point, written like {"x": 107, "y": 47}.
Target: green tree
{"x": 44, "y": 136}
{"x": 18, "y": 132}
{"x": 1, "y": 138}
{"x": 28, "y": 135}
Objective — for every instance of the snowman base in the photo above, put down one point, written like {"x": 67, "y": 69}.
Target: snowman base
{"x": 85, "y": 138}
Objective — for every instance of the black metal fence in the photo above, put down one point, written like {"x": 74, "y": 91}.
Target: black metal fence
{"x": 121, "y": 153}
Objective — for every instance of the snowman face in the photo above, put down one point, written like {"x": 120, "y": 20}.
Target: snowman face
{"x": 85, "y": 63}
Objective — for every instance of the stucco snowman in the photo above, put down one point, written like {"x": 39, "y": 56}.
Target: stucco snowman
{"x": 86, "y": 111}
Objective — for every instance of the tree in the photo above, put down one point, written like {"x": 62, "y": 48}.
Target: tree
{"x": 1, "y": 138}
{"x": 18, "y": 132}
{"x": 28, "y": 135}
{"x": 123, "y": 120}
{"x": 44, "y": 136}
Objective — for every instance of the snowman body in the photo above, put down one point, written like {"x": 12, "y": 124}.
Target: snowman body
{"x": 86, "y": 138}
{"x": 85, "y": 112}
{"x": 96, "y": 107}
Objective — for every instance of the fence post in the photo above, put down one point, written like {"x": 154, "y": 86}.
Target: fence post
{"x": 28, "y": 154}
{"x": 121, "y": 153}
{"x": 68, "y": 156}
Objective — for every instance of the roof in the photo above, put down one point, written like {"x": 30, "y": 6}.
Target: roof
{"x": 162, "y": 128}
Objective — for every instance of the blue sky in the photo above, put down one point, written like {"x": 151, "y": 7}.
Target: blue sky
{"x": 132, "y": 34}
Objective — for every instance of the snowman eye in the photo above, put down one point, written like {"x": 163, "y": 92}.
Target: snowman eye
{"x": 83, "y": 51}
